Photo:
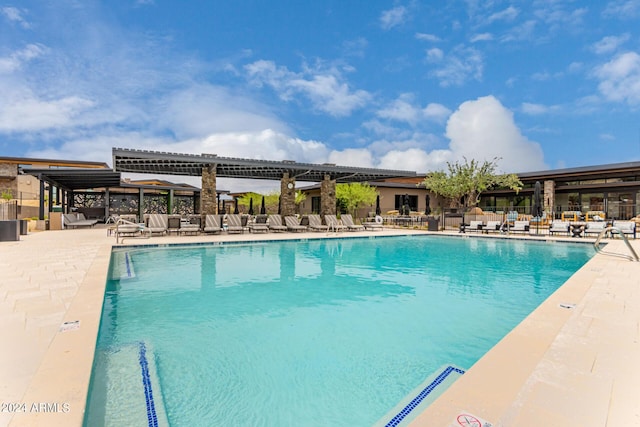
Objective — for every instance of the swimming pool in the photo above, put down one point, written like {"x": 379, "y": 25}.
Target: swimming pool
{"x": 317, "y": 332}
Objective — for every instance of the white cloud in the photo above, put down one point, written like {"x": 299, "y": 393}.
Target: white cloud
{"x": 509, "y": 14}
{"x": 359, "y": 157}
{"x": 620, "y": 78}
{"x": 402, "y": 109}
{"x": 17, "y": 58}
{"x": 427, "y": 37}
{"x": 14, "y": 14}
{"x": 609, "y": 44}
{"x": 622, "y": 9}
{"x": 393, "y": 17}
{"x": 457, "y": 67}
{"x": 435, "y": 54}
{"x": 325, "y": 88}
{"x": 538, "y": 109}
{"x": 484, "y": 129}
{"x": 481, "y": 37}
{"x": 436, "y": 112}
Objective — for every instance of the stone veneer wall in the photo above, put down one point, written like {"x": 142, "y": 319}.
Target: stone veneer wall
{"x": 287, "y": 196}
{"x": 208, "y": 196}
{"x": 327, "y": 196}
{"x": 9, "y": 178}
{"x": 549, "y": 196}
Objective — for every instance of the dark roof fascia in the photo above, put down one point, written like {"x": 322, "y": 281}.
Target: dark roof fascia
{"x": 602, "y": 170}
{"x": 30, "y": 160}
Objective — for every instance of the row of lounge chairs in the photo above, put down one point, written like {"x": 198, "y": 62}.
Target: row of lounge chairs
{"x": 160, "y": 224}
{"x": 628, "y": 228}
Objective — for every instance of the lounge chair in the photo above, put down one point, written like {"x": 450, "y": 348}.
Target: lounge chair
{"x": 347, "y": 220}
{"x": 626, "y": 227}
{"x": 234, "y": 223}
{"x": 594, "y": 227}
{"x": 259, "y": 225}
{"x": 158, "y": 223}
{"x": 125, "y": 228}
{"x": 212, "y": 224}
{"x": 520, "y": 227}
{"x": 275, "y": 223}
{"x": 315, "y": 223}
{"x": 293, "y": 224}
{"x": 333, "y": 223}
{"x": 78, "y": 220}
{"x": 190, "y": 225}
{"x": 492, "y": 226}
{"x": 376, "y": 224}
{"x": 559, "y": 227}
{"x": 474, "y": 226}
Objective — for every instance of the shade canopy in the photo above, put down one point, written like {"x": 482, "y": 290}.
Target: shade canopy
{"x": 143, "y": 161}
{"x": 77, "y": 178}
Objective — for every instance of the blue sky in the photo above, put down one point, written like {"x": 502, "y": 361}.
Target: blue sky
{"x": 391, "y": 84}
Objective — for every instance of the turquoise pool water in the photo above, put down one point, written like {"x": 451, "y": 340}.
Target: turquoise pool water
{"x": 328, "y": 332}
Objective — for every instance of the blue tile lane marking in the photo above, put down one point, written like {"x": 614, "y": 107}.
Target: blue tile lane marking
{"x": 146, "y": 382}
{"x": 127, "y": 263}
{"x": 422, "y": 395}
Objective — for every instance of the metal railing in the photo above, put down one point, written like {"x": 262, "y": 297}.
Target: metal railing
{"x": 604, "y": 232}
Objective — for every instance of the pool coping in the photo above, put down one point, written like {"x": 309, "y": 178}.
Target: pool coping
{"x": 64, "y": 372}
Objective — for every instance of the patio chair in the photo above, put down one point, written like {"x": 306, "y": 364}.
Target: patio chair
{"x": 625, "y": 227}
{"x": 259, "y": 225}
{"x": 594, "y": 227}
{"x": 77, "y": 220}
{"x": 315, "y": 223}
{"x": 347, "y": 220}
{"x": 474, "y": 226}
{"x": 158, "y": 224}
{"x": 190, "y": 225}
{"x": 234, "y": 223}
{"x": 492, "y": 226}
{"x": 173, "y": 223}
{"x": 274, "y": 222}
{"x": 520, "y": 227}
{"x": 212, "y": 224}
{"x": 376, "y": 224}
{"x": 559, "y": 227}
{"x": 293, "y": 224}
{"x": 333, "y": 223}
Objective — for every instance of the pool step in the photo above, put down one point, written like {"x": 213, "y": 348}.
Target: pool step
{"x": 126, "y": 390}
{"x": 421, "y": 397}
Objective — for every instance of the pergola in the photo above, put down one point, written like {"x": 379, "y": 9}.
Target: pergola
{"x": 211, "y": 166}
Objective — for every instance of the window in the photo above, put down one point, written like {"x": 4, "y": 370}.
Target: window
{"x": 399, "y": 202}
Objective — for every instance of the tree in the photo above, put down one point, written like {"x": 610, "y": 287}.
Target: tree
{"x": 270, "y": 201}
{"x": 300, "y": 197}
{"x": 355, "y": 195}
{"x": 7, "y": 194}
{"x": 464, "y": 183}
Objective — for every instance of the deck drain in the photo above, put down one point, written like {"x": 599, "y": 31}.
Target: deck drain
{"x": 567, "y": 305}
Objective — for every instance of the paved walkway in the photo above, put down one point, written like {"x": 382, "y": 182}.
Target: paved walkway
{"x": 560, "y": 367}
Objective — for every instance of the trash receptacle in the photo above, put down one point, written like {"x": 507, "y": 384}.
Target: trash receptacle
{"x": 9, "y": 231}
{"x": 433, "y": 224}
{"x": 24, "y": 227}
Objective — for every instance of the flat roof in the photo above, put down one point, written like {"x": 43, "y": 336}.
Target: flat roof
{"x": 77, "y": 178}
{"x": 143, "y": 161}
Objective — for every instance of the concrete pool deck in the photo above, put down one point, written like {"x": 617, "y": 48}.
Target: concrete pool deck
{"x": 559, "y": 367}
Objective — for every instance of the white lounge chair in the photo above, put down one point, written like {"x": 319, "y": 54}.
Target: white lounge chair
{"x": 158, "y": 223}
{"x": 559, "y": 227}
{"x": 474, "y": 226}
{"x": 259, "y": 225}
{"x": 347, "y": 220}
{"x": 492, "y": 226}
{"x": 376, "y": 224}
{"x": 212, "y": 224}
{"x": 275, "y": 223}
{"x": 520, "y": 227}
{"x": 234, "y": 223}
{"x": 594, "y": 227}
{"x": 628, "y": 228}
{"x": 293, "y": 224}
{"x": 315, "y": 223}
{"x": 333, "y": 223}
{"x": 77, "y": 220}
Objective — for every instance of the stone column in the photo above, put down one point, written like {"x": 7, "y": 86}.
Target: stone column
{"x": 287, "y": 195}
{"x": 327, "y": 196}
{"x": 549, "y": 197}
{"x": 208, "y": 196}
{"x": 9, "y": 179}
